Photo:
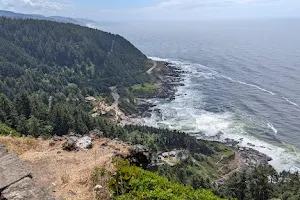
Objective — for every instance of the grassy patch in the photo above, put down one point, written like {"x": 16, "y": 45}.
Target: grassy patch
{"x": 145, "y": 90}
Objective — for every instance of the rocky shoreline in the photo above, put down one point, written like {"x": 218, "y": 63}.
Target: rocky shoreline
{"x": 170, "y": 81}
{"x": 249, "y": 157}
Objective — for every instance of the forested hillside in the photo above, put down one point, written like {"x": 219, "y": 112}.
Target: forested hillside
{"x": 47, "y": 68}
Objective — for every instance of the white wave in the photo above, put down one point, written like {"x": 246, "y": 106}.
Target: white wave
{"x": 248, "y": 84}
{"x": 213, "y": 124}
{"x": 255, "y": 86}
{"x": 291, "y": 102}
{"x": 270, "y": 125}
{"x": 159, "y": 59}
{"x": 283, "y": 156}
{"x": 181, "y": 114}
{"x": 219, "y": 127}
{"x": 214, "y": 73}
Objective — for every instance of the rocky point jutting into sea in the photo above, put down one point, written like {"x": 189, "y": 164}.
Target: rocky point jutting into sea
{"x": 171, "y": 80}
{"x": 242, "y": 81}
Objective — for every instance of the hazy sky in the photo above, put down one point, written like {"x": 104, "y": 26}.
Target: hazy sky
{"x": 157, "y": 9}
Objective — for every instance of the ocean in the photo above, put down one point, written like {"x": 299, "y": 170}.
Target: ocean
{"x": 242, "y": 80}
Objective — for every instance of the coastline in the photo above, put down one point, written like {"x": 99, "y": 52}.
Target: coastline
{"x": 170, "y": 77}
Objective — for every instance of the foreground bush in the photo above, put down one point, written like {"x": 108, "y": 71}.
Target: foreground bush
{"x": 131, "y": 182}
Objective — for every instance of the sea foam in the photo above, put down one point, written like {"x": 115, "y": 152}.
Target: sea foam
{"x": 185, "y": 114}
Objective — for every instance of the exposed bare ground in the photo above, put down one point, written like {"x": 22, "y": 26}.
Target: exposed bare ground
{"x": 101, "y": 106}
{"x": 232, "y": 167}
{"x": 19, "y": 145}
{"x": 66, "y": 174}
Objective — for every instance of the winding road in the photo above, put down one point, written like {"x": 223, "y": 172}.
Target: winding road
{"x": 152, "y": 68}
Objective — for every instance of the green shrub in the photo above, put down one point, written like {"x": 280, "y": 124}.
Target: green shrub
{"x": 131, "y": 182}
{"x": 127, "y": 107}
{"x": 5, "y": 130}
{"x": 145, "y": 90}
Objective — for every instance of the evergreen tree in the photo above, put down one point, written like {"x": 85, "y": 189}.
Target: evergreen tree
{"x": 34, "y": 127}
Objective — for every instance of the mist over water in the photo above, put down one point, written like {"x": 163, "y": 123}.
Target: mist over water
{"x": 242, "y": 81}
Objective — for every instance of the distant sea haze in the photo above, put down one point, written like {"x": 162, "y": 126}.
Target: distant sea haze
{"x": 243, "y": 81}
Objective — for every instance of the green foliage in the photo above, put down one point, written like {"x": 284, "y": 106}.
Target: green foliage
{"x": 197, "y": 169}
{"x": 5, "y": 130}
{"x": 127, "y": 107}
{"x": 188, "y": 172}
{"x": 145, "y": 90}
{"x": 262, "y": 183}
{"x": 167, "y": 140}
{"x": 131, "y": 182}
{"x": 97, "y": 175}
{"x": 47, "y": 68}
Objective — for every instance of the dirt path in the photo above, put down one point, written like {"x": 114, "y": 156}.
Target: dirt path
{"x": 115, "y": 105}
{"x": 152, "y": 68}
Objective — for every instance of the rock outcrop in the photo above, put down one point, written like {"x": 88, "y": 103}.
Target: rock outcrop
{"x": 16, "y": 182}
{"x": 70, "y": 145}
{"x": 140, "y": 156}
{"x": 25, "y": 189}
{"x": 84, "y": 142}
{"x": 73, "y": 143}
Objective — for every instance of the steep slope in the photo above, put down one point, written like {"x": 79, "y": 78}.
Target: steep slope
{"x": 90, "y": 55}
{"x": 47, "y": 68}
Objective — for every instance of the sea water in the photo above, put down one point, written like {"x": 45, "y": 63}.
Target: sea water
{"x": 242, "y": 81}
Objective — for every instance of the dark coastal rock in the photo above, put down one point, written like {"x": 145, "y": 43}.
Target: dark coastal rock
{"x": 170, "y": 81}
{"x": 177, "y": 84}
{"x": 146, "y": 114}
{"x": 140, "y": 156}
{"x": 143, "y": 107}
{"x": 231, "y": 142}
{"x": 252, "y": 157}
{"x": 250, "y": 144}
